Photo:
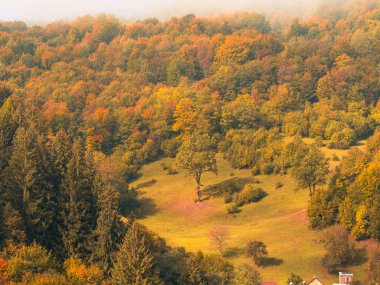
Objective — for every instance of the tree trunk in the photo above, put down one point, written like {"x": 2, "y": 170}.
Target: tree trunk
{"x": 198, "y": 180}
{"x": 310, "y": 193}
{"x": 313, "y": 189}
{"x": 198, "y": 194}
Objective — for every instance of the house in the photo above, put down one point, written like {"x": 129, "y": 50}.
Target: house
{"x": 268, "y": 283}
{"x": 315, "y": 281}
{"x": 345, "y": 278}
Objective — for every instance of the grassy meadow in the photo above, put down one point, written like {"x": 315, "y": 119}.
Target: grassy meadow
{"x": 279, "y": 220}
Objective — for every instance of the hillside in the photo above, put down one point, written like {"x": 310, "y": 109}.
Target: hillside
{"x": 279, "y": 220}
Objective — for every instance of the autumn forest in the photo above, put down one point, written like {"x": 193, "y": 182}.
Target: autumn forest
{"x": 86, "y": 104}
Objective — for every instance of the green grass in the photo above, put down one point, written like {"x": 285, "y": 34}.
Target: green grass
{"x": 279, "y": 220}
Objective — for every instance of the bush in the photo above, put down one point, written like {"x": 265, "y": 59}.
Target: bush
{"x": 279, "y": 185}
{"x": 249, "y": 194}
{"x": 232, "y": 208}
{"x": 227, "y": 188}
{"x": 335, "y": 157}
{"x": 171, "y": 171}
{"x": 228, "y": 198}
{"x": 255, "y": 170}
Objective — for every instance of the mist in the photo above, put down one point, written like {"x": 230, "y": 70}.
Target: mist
{"x": 50, "y": 10}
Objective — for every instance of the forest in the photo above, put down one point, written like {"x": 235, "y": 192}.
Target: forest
{"x": 85, "y": 104}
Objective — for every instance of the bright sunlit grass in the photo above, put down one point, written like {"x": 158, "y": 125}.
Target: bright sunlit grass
{"x": 279, "y": 220}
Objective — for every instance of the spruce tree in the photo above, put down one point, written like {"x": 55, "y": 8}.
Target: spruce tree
{"x": 13, "y": 224}
{"x": 60, "y": 153}
{"x": 134, "y": 262}
{"x": 79, "y": 214}
{"x": 2, "y": 228}
{"x": 9, "y": 122}
{"x": 24, "y": 178}
{"x": 110, "y": 230}
{"x": 194, "y": 271}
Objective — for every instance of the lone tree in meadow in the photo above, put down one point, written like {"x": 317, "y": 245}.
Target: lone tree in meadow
{"x": 196, "y": 155}
{"x": 311, "y": 170}
{"x": 257, "y": 250}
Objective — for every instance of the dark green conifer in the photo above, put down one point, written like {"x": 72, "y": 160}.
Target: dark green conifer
{"x": 110, "y": 230}
{"x": 134, "y": 263}
{"x": 79, "y": 215}
{"x": 13, "y": 225}
{"x": 25, "y": 180}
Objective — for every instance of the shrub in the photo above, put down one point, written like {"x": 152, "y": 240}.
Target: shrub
{"x": 227, "y": 188}
{"x": 249, "y": 194}
{"x": 279, "y": 185}
{"x": 171, "y": 171}
{"x": 29, "y": 260}
{"x": 164, "y": 166}
{"x": 255, "y": 170}
{"x": 335, "y": 157}
{"x": 78, "y": 273}
{"x": 295, "y": 279}
{"x": 232, "y": 208}
{"x": 228, "y": 198}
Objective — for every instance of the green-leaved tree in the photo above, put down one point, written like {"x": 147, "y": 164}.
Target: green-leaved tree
{"x": 197, "y": 155}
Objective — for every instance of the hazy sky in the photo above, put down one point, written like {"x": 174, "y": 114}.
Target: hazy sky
{"x": 48, "y": 10}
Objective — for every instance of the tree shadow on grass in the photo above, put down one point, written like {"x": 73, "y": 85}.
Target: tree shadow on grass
{"x": 359, "y": 257}
{"x": 148, "y": 208}
{"x": 271, "y": 261}
{"x": 145, "y": 184}
{"x": 233, "y": 252}
{"x": 226, "y": 187}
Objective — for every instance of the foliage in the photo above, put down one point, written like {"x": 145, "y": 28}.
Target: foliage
{"x": 374, "y": 269}
{"x": 130, "y": 93}
{"x": 294, "y": 279}
{"x": 339, "y": 251}
{"x": 247, "y": 275}
{"x": 311, "y": 170}
{"x": 256, "y": 250}
{"x": 249, "y": 194}
{"x": 134, "y": 262}
{"x": 217, "y": 270}
{"x": 78, "y": 273}
{"x": 29, "y": 260}
{"x": 197, "y": 155}
{"x": 232, "y": 208}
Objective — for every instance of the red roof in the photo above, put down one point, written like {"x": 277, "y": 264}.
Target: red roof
{"x": 268, "y": 283}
